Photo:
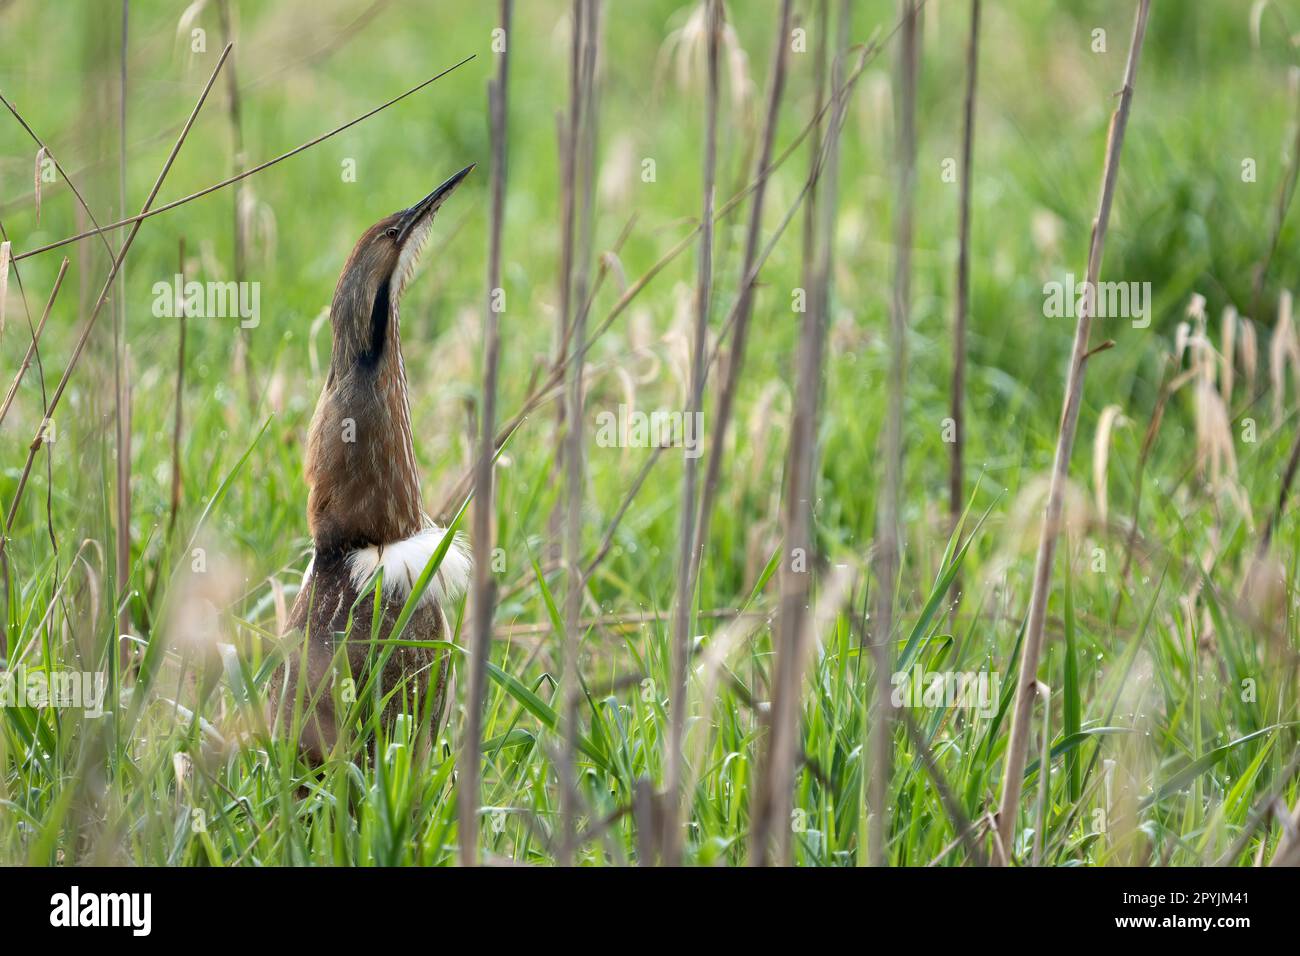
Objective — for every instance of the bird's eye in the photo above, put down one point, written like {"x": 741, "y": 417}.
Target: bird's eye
{"x": 391, "y": 232}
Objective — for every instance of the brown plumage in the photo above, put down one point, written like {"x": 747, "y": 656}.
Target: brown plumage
{"x": 363, "y": 507}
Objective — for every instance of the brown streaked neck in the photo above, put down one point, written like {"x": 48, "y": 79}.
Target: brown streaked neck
{"x": 360, "y": 460}
{"x": 365, "y": 489}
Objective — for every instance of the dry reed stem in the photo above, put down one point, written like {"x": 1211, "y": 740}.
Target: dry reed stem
{"x": 956, "y": 495}
{"x": 684, "y": 596}
{"x": 484, "y": 585}
{"x": 1167, "y": 389}
{"x": 822, "y": 103}
{"x": 806, "y": 195}
{"x": 180, "y": 393}
{"x": 81, "y": 201}
{"x": 579, "y": 177}
{"x": 4, "y": 282}
{"x": 566, "y": 136}
{"x": 1013, "y": 775}
{"x": 745, "y": 302}
{"x": 89, "y": 326}
{"x": 122, "y": 387}
{"x": 1261, "y": 812}
{"x": 1284, "y": 491}
{"x": 243, "y": 359}
{"x": 540, "y": 393}
{"x": 1286, "y": 189}
{"x": 951, "y": 805}
{"x": 325, "y": 50}
{"x": 607, "y": 541}
{"x": 34, "y": 346}
{"x": 1044, "y": 774}
{"x": 566, "y": 126}
{"x": 34, "y": 350}
{"x": 167, "y": 207}
{"x": 887, "y": 535}
{"x": 770, "y": 834}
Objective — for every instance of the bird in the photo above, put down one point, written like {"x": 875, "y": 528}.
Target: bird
{"x": 364, "y": 510}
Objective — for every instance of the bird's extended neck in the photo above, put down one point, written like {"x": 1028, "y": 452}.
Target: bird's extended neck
{"x": 364, "y": 487}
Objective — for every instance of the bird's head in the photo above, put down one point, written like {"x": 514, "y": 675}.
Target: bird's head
{"x": 377, "y": 272}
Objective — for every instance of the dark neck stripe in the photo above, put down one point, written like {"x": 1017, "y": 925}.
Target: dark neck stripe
{"x": 379, "y": 318}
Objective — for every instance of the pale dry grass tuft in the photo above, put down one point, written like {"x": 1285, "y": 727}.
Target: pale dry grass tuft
{"x": 188, "y": 19}
{"x": 1216, "y": 458}
{"x": 1249, "y": 353}
{"x": 1112, "y": 417}
{"x": 1023, "y": 527}
{"x": 1229, "y": 334}
{"x": 36, "y": 181}
{"x": 687, "y": 50}
{"x": 4, "y": 283}
{"x": 256, "y": 223}
{"x": 1283, "y": 353}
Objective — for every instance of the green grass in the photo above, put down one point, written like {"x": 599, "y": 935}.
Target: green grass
{"x": 1174, "y": 712}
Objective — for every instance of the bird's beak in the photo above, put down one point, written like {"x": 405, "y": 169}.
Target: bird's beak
{"x": 427, "y": 206}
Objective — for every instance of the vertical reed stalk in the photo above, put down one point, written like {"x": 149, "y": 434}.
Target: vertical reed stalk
{"x": 1284, "y": 491}
{"x": 98, "y": 307}
{"x": 121, "y": 385}
{"x": 684, "y": 599}
{"x": 887, "y": 548}
{"x": 762, "y": 816}
{"x": 1018, "y": 744}
{"x": 580, "y": 175}
{"x": 234, "y": 116}
{"x": 1285, "y": 192}
{"x": 770, "y": 831}
{"x": 567, "y": 127}
{"x": 811, "y": 207}
{"x": 1044, "y": 773}
{"x": 180, "y": 401}
{"x": 484, "y": 587}
{"x": 744, "y": 306}
{"x": 33, "y": 349}
{"x": 956, "y": 494}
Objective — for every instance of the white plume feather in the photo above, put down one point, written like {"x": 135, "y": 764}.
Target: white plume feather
{"x": 404, "y": 561}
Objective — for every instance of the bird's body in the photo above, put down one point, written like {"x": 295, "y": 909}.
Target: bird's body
{"x": 320, "y": 614}
{"x": 364, "y": 508}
